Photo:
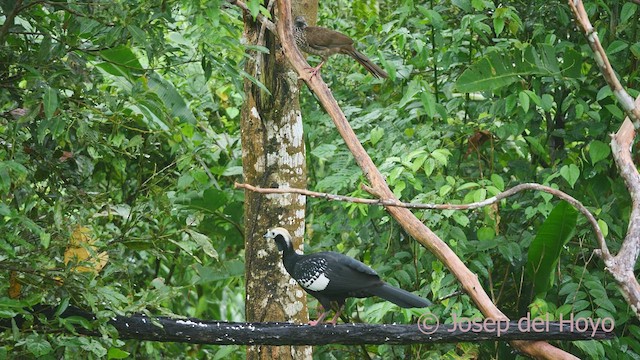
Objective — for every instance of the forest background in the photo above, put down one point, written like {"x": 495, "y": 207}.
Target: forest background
{"x": 120, "y": 138}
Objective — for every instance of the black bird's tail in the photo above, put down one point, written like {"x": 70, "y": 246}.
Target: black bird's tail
{"x": 400, "y": 297}
{"x": 368, "y": 64}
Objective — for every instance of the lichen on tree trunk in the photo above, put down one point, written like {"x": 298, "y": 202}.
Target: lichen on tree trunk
{"x": 273, "y": 154}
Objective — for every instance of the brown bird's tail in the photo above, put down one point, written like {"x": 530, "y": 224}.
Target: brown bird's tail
{"x": 368, "y": 64}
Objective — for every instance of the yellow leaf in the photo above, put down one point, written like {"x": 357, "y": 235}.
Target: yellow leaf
{"x": 14, "y": 285}
{"x": 80, "y": 249}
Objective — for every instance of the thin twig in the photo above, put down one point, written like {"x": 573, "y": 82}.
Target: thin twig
{"x": 394, "y": 202}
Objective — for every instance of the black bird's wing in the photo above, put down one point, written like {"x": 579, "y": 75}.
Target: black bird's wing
{"x": 331, "y": 276}
{"x": 348, "y": 275}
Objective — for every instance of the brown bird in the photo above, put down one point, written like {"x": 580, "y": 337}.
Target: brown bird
{"x": 324, "y": 42}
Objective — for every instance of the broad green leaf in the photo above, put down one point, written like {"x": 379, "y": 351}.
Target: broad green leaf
{"x": 547, "y": 102}
{"x": 375, "y": 135}
{"x": 429, "y": 103}
{"x": 138, "y": 35}
{"x": 524, "y": 101}
{"x": 495, "y": 70}
{"x": 204, "y": 242}
{"x": 50, "y": 101}
{"x": 598, "y": 151}
{"x": 571, "y": 173}
{"x": 497, "y": 181}
{"x": 628, "y": 10}
{"x": 174, "y": 103}
{"x": 486, "y": 233}
{"x": 546, "y": 248}
{"x": 616, "y": 46}
{"x": 410, "y": 92}
{"x": 211, "y": 200}
{"x": 38, "y": 345}
{"x": 230, "y": 269}
{"x": 635, "y": 49}
{"x": 603, "y": 227}
{"x": 498, "y": 25}
{"x": 434, "y": 17}
{"x": 115, "y": 353}
{"x": 441, "y": 156}
{"x": 254, "y": 7}
{"x": 122, "y": 56}
{"x": 445, "y": 189}
{"x": 592, "y": 347}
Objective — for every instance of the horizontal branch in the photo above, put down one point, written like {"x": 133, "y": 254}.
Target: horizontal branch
{"x": 197, "y": 331}
{"x": 604, "y": 251}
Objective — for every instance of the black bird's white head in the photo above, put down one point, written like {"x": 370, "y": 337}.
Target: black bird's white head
{"x": 300, "y": 22}
{"x": 282, "y": 238}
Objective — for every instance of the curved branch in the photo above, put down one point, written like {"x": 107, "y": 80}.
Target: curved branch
{"x": 603, "y": 251}
{"x": 622, "y": 266}
{"x": 410, "y": 223}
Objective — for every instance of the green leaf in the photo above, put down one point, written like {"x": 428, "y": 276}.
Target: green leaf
{"x": 50, "y": 101}
{"x": 175, "y": 104}
{"x": 547, "y": 102}
{"x": 603, "y": 227}
{"x": 497, "y": 181}
{"x": 122, "y": 56}
{"x": 628, "y": 10}
{"x": 115, "y": 353}
{"x": 230, "y": 269}
{"x": 616, "y": 46}
{"x": 254, "y": 7}
{"x": 486, "y": 233}
{"x": 571, "y": 173}
{"x": 524, "y": 101}
{"x": 37, "y": 345}
{"x": 429, "y": 103}
{"x": 498, "y": 25}
{"x": 138, "y": 35}
{"x": 496, "y": 70}
{"x": 593, "y": 348}
{"x": 445, "y": 189}
{"x": 441, "y": 156}
{"x": 598, "y": 151}
{"x": 376, "y": 135}
{"x": 204, "y": 242}
{"x": 545, "y": 249}
{"x": 434, "y": 17}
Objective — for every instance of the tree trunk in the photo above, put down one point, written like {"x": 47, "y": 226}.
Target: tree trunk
{"x": 273, "y": 154}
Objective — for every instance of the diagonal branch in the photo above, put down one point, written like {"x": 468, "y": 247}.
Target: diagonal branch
{"x": 411, "y": 224}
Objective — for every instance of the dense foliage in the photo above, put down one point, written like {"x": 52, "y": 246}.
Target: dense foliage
{"x": 119, "y": 133}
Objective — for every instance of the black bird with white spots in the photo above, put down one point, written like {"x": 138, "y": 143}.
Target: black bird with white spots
{"x": 329, "y": 276}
